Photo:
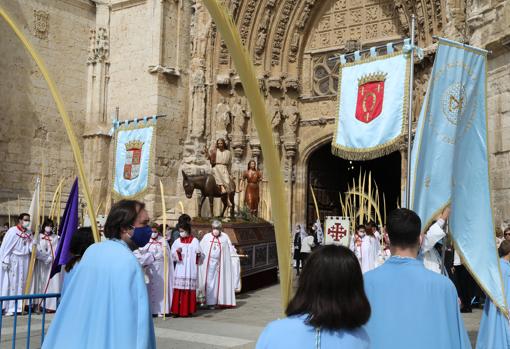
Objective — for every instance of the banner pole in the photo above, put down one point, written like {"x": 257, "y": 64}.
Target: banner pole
{"x": 410, "y": 117}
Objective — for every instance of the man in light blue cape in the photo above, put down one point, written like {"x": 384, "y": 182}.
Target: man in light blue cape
{"x": 412, "y": 307}
{"x": 494, "y": 327}
{"x": 106, "y": 303}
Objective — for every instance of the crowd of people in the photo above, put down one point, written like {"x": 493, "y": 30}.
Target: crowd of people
{"x": 383, "y": 282}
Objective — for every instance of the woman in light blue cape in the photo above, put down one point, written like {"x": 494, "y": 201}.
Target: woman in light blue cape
{"x": 494, "y": 327}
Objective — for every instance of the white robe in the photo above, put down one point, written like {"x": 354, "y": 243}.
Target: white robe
{"x": 431, "y": 257}
{"x": 216, "y": 278}
{"x": 186, "y": 267}
{"x": 46, "y": 247}
{"x": 366, "y": 249}
{"x": 15, "y": 256}
{"x": 152, "y": 259}
{"x": 236, "y": 268}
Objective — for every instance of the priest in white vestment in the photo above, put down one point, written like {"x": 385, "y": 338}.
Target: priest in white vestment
{"x": 15, "y": 258}
{"x": 46, "y": 247}
{"x": 366, "y": 248}
{"x": 216, "y": 281}
{"x": 152, "y": 258}
{"x": 431, "y": 258}
{"x": 236, "y": 268}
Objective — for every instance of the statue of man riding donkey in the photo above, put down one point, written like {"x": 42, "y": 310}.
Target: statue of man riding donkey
{"x": 219, "y": 184}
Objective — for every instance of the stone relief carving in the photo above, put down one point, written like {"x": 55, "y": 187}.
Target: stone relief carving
{"x": 198, "y": 97}
{"x": 99, "y": 46}
{"x": 41, "y": 24}
{"x": 280, "y": 31}
{"x": 245, "y": 23}
{"x": 276, "y": 120}
{"x": 223, "y": 118}
{"x": 291, "y": 121}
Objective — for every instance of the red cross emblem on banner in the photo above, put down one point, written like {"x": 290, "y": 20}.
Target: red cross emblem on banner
{"x": 337, "y": 232}
{"x": 370, "y": 97}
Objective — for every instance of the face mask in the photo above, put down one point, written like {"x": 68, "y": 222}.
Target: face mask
{"x": 183, "y": 234}
{"x": 141, "y": 236}
{"x": 154, "y": 235}
{"x": 361, "y": 234}
{"x": 26, "y": 224}
{"x": 216, "y": 232}
{"x": 47, "y": 230}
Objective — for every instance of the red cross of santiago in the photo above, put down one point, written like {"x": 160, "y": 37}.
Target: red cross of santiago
{"x": 337, "y": 232}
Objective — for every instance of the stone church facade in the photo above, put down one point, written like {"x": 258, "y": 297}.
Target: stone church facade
{"x": 132, "y": 58}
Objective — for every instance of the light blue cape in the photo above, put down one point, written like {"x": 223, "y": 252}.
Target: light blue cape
{"x": 105, "y": 304}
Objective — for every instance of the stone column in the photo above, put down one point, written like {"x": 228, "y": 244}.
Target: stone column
{"x": 96, "y": 136}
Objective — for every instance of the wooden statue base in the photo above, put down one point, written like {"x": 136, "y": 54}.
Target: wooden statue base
{"x": 254, "y": 239}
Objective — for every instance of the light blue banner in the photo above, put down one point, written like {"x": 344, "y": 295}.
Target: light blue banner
{"x": 450, "y": 161}
{"x": 372, "y": 107}
{"x": 133, "y": 157}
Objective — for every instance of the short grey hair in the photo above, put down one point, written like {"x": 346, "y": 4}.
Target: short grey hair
{"x": 216, "y": 224}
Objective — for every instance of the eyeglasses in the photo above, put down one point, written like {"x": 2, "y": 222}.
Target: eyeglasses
{"x": 507, "y": 234}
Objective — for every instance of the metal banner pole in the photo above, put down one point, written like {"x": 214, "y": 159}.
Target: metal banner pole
{"x": 410, "y": 118}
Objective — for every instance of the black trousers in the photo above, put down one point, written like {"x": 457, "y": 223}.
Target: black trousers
{"x": 297, "y": 258}
{"x": 465, "y": 286}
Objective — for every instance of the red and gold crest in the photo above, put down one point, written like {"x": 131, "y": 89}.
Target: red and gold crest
{"x": 133, "y": 159}
{"x": 370, "y": 97}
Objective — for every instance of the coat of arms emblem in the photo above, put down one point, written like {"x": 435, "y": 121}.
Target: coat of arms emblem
{"x": 133, "y": 159}
{"x": 370, "y": 96}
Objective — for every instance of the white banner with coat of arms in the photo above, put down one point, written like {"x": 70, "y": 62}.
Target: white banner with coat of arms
{"x": 373, "y": 101}
{"x": 337, "y": 231}
{"x": 133, "y": 158}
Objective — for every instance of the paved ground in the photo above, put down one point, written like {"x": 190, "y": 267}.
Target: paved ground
{"x": 233, "y": 328}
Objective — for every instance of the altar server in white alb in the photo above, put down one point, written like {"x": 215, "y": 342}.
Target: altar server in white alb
{"x": 366, "y": 248}
{"x": 152, "y": 257}
{"x": 15, "y": 258}
{"x": 188, "y": 256}
{"x": 216, "y": 277}
{"x": 46, "y": 247}
{"x": 430, "y": 256}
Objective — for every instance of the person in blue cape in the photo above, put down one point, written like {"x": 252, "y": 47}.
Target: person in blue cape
{"x": 494, "y": 329}
{"x": 329, "y": 308}
{"x": 105, "y": 304}
{"x": 412, "y": 307}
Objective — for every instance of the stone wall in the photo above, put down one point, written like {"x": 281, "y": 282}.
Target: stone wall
{"x": 488, "y": 24}
{"x": 31, "y": 129}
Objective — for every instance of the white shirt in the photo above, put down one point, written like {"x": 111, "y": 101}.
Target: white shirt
{"x": 431, "y": 258}
{"x": 307, "y": 244}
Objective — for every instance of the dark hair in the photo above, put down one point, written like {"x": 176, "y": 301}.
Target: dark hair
{"x": 403, "y": 227}
{"x": 335, "y": 298}
{"x": 122, "y": 216}
{"x": 81, "y": 240}
{"x": 506, "y": 229}
{"x": 372, "y": 224}
{"x": 47, "y": 222}
{"x": 504, "y": 248}
{"x": 249, "y": 162}
{"x": 21, "y": 216}
{"x": 184, "y": 226}
{"x": 184, "y": 218}
{"x": 361, "y": 226}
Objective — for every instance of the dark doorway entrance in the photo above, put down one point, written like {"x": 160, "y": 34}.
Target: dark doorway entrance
{"x": 330, "y": 175}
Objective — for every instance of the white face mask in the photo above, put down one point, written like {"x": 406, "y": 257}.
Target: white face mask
{"x": 361, "y": 234}
{"x": 216, "y": 232}
{"x": 47, "y": 230}
{"x": 154, "y": 235}
{"x": 26, "y": 224}
{"x": 183, "y": 234}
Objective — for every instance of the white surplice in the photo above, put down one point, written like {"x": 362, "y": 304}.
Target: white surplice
{"x": 15, "y": 258}
{"x": 186, "y": 267}
{"x": 236, "y": 268}
{"x": 216, "y": 278}
{"x": 152, "y": 259}
{"x": 367, "y": 250}
{"x": 46, "y": 247}
{"x": 431, "y": 257}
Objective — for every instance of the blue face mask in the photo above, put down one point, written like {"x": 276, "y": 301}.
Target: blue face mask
{"x": 141, "y": 236}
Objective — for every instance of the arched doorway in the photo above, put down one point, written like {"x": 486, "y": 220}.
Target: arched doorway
{"x": 330, "y": 175}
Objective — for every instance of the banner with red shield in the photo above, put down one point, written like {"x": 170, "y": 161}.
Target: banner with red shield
{"x": 372, "y": 106}
{"x": 133, "y": 158}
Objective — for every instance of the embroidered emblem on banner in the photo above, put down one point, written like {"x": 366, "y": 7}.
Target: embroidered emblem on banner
{"x": 133, "y": 159}
{"x": 337, "y": 232}
{"x": 370, "y": 97}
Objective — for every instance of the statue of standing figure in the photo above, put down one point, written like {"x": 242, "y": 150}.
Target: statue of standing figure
{"x": 252, "y": 193}
{"x": 221, "y": 161}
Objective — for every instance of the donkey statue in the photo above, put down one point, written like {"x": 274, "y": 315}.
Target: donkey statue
{"x": 208, "y": 189}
